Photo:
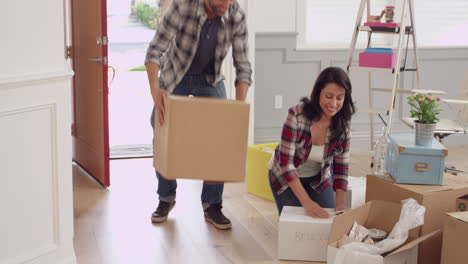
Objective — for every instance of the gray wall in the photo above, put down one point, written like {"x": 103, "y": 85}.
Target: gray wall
{"x": 280, "y": 69}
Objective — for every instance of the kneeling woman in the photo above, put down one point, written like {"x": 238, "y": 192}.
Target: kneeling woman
{"x": 310, "y": 165}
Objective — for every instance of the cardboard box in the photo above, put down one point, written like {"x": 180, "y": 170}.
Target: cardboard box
{"x": 302, "y": 237}
{"x": 438, "y": 201}
{"x": 462, "y": 204}
{"x": 455, "y": 242}
{"x": 408, "y": 163}
{"x": 257, "y": 180}
{"x": 202, "y": 138}
{"x": 376, "y": 214}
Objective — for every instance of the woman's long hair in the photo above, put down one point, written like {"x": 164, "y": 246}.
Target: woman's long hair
{"x": 313, "y": 111}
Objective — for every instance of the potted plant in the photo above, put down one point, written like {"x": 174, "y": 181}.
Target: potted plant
{"x": 425, "y": 109}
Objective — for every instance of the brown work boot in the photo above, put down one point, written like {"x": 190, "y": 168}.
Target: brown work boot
{"x": 214, "y": 215}
{"x": 161, "y": 213}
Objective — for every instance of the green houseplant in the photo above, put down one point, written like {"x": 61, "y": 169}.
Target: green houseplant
{"x": 425, "y": 109}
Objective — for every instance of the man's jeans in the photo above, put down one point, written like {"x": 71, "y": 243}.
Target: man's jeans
{"x": 325, "y": 199}
{"x": 195, "y": 85}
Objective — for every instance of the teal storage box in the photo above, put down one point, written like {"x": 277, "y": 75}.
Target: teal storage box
{"x": 408, "y": 163}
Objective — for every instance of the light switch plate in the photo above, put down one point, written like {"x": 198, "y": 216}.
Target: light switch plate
{"x": 278, "y": 101}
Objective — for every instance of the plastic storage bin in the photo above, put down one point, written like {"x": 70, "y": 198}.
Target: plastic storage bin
{"x": 257, "y": 170}
{"x": 377, "y": 57}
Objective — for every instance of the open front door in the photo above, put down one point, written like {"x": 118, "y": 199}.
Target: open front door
{"x": 90, "y": 91}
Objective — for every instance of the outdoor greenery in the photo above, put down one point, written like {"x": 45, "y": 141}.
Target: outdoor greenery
{"x": 425, "y": 108}
{"x": 138, "y": 68}
{"x": 149, "y": 16}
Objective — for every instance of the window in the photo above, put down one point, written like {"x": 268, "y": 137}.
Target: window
{"x": 441, "y": 23}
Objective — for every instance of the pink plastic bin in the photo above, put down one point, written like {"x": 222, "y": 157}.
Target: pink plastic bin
{"x": 379, "y": 60}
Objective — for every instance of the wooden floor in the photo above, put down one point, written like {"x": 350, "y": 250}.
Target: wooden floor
{"x": 113, "y": 225}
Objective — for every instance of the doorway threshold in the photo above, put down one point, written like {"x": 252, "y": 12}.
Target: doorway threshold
{"x": 133, "y": 151}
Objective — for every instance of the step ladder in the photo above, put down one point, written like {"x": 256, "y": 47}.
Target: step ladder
{"x": 406, "y": 30}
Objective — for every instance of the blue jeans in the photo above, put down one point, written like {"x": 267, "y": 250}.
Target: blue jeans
{"x": 326, "y": 199}
{"x": 195, "y": 85}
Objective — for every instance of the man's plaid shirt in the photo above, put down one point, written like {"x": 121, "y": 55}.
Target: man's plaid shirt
{"x": 175, "y": 42}
{"x": 294, "y": 149}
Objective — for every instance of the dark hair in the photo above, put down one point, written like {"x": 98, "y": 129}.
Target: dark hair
{"x": 312, "y": 109}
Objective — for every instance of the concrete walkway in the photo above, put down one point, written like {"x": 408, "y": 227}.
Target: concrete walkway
{"x": 130, "y": 101}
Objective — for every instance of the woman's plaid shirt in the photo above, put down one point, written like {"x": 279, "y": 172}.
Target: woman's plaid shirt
{"x": 294, "y": 150}
{"x": 175, "y": 42}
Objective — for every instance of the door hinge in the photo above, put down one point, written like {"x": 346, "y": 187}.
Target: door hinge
{"x": 68, "y": 52}
{"x": 73, "y": 129}
{"x": 102, "y": 40}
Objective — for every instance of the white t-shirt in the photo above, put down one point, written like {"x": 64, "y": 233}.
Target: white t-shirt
{"x": 313, "y": 164}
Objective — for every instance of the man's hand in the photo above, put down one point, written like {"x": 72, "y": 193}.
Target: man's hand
{"x": 157, "y": 93}
{"x": 314, "y": 210}
{"x": 159, "y": 98}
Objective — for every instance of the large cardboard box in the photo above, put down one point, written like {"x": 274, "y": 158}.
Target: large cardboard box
{"x": 455, "y": 242}
{"x": 302, "y": 237}
{"x": 202, "y": 138}
{"x": 413, "y": 164}
{"x": 376, "y": 214}
{"x": 257, "y": 181}
{"x": 438, "y": 201}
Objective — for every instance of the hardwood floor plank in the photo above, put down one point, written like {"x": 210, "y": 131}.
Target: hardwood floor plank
{"x": 113, "y": 225}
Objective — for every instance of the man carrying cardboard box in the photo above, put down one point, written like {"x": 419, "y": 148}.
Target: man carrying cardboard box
{"x": 189, "y": 47}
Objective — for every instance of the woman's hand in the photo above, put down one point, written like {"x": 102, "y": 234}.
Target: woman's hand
{"x": 314, "y": 210}
{"x": 339, "y": 210}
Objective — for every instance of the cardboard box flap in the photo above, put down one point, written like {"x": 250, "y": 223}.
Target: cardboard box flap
{"x": 342, "y": 223}
{"x": 451, "y": 182}
{"x": 462, "y": 216}
{"x": 374, "y": 214}
{"x": 414, "y": 242}
{"x": 383, "y": 215}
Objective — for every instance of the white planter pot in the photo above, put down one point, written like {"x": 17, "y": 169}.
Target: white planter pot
{"x": 424, "y": 133}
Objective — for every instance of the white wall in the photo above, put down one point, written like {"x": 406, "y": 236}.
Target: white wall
{"x": 32, "y": 38}
{"x": 274, "y": 15}
{"x": 35, "y": 116}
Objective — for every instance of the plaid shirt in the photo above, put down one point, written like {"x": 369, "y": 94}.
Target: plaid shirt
{"x": 176, "y": 40}
{"x": 294, "y": 149}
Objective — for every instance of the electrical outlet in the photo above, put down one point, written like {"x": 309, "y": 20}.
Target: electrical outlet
{"x": 278, "y": 101}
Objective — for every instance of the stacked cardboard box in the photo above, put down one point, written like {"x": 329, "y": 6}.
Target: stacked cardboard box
{"x": 455, "y": 242}
{"x": 438, "y": 201}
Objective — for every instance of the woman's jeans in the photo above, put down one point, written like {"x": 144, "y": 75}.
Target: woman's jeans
{"x": 326, "y": 199}
{"x": 195, "y": 85}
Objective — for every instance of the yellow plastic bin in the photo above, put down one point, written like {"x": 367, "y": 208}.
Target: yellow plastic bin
{"x": 257, "y": 170}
